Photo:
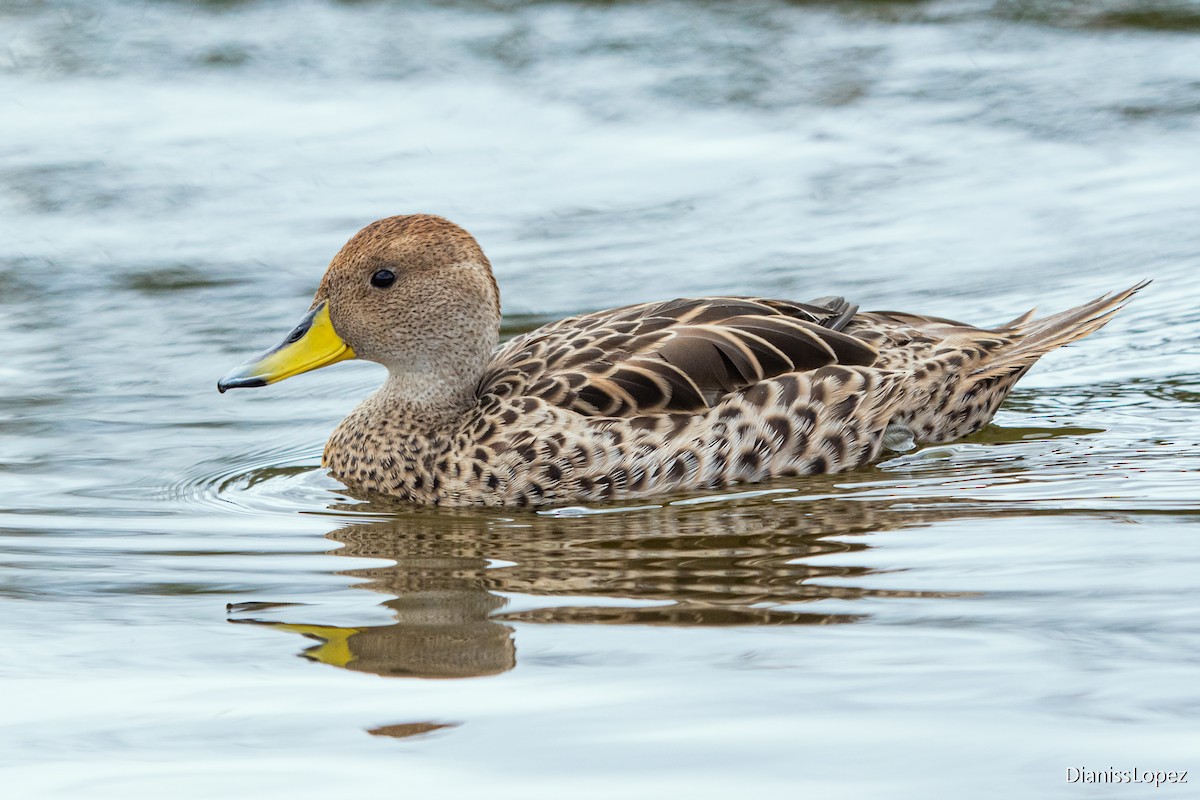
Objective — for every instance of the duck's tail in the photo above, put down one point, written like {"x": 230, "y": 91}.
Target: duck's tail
{"x": 1033, "y": 338}
{"x": 960, "y": 387}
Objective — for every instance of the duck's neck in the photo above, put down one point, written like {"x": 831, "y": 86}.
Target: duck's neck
{"x": 424, "y": 403}
{"x": 396, "y": 437}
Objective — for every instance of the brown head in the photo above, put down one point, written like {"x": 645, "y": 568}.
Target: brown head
{"x": 414, "y": 293}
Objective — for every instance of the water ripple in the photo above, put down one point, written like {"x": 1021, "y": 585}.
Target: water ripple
{"x": 265, "y": 482}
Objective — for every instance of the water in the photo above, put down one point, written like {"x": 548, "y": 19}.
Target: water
{"x": 192, "y": 608}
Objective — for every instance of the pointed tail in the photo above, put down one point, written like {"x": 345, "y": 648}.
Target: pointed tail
{"x": 1036, "y": 337}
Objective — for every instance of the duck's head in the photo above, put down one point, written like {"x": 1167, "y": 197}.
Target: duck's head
{"x": 414, "y": 293}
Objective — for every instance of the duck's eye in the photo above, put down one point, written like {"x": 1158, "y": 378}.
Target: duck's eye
{"x": 383, "y": 279}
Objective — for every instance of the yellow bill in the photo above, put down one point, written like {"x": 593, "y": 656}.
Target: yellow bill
{"x": 313, "y": 344}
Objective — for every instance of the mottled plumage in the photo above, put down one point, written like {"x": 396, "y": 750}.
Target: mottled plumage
{"x": 641, "y": 400}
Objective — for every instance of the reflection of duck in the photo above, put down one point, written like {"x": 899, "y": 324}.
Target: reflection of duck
{"x": 726, "y": 564}
{"x": 632, "y": 401}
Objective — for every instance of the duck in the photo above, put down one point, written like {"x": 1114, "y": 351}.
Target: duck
{"x": 650, "y": 399}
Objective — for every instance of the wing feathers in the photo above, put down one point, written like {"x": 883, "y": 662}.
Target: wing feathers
{"x": 680, "y": 356}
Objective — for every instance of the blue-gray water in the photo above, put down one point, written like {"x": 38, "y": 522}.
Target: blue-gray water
{"x": 963, "y": 621}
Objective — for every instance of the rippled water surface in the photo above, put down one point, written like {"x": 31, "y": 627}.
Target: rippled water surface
{"x": 192, "y": 609}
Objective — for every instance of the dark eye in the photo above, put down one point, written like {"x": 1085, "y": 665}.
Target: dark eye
{"x": 383, "y": 279}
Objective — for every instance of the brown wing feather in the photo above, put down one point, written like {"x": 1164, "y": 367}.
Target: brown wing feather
{"x": 678, "y": 356}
